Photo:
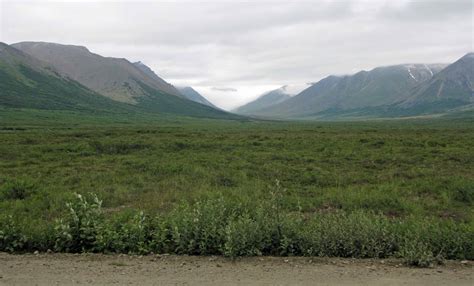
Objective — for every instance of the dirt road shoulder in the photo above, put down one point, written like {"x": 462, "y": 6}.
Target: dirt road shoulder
{"x": 96, "y": 269}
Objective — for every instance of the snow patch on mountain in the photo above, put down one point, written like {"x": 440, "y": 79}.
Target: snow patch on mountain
{"x": 431, "y": 72}
{"x": 412, "y": 76}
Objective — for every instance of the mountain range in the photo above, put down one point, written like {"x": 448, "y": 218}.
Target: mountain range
{"x": 400, "y": 90}
{"x": 185, "y": 92}
{"x": 51, "y": 76}
{"x": 270, "y": 98}
{"x": 115, "y": 78}
{"x": 54, "y": 76}
{"x": 191, "y": 94}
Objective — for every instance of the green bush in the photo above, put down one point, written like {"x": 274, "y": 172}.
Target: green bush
{"x": 17, "y": 190}
{"x": 357, "y": 234}
{"x": 198, "y": 230}
{"x": 245, "y": 236}
{"x": 116, "y": 148}
{"x": 242, "y": 237}
{"x": 225, "y": 227}
{"x": 129, "y": 235}
{"x": 417, "y": 253}
{"x": 464, "y": 193}
{"x": 77, "y": 232}
{"x": 11, "y": 237}
{"x": 444, "y": 238}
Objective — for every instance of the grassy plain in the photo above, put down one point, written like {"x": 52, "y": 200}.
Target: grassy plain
{"x": 395, "y": 176}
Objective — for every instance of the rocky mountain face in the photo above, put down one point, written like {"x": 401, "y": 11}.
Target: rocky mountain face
{"x": 450, "y": 88}
{"x": 53, "y": 76}
{"x": 26, "y": 82}
{"x": 115, "y": 78}
{"x": 166, "y": 87}
{"x": 378, "y": 87}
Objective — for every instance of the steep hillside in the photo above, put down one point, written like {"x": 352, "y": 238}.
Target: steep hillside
{"x": 366, "y": 89}
{"x": 116, "y": 79}
{"x": 26, "y": 82}
{"x": 270, "y": 98}
{"x": 166, "y": 87}
{"x": 157, "y": 101}
{"x": 191, "y": 94}
{"x": 112, "y": 77}
{"x": 452, "y": 87}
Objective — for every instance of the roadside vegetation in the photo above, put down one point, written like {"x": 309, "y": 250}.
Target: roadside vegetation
{"x": 237, "y": 188}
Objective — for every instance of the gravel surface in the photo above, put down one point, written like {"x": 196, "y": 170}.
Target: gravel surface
{"x": 97, "y": 269}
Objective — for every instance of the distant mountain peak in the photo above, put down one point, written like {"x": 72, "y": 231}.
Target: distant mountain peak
{"x": 191, "y": 94}
{"x": 152, "y": 75}
{"x": 381, "y": 86}
{"x": 61, "y": 77}
{"x": 116, "y": 78}
{"x": 293, "y": 89}
{"x": 265, "y": 100}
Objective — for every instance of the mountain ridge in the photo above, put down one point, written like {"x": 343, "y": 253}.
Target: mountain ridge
{"x": 270, "y": 98}
{"x": 29, "y": 82}
{"x": 381, "y": 86}
{"x": 191, "y": 94}
{"x": 149, "y": 72}
{"x": 116, "y": 78}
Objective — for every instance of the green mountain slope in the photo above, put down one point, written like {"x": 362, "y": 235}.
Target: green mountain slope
{"x": 378, "y": 87}
{"x": 157, "y": 101}
{"x": 448, "y": 93}
{"x": 184, "y": 92}
{"x": 115, "y": 78}
{"x": 163, "y": 85}
{"x": 266, "y": 100}
{"x": 450, "y": 88}
{"x": 28, "y": 83}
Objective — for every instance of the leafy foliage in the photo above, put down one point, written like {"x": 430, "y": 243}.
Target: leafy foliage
{"x": 78, "y": 231}
{"x": 17, "y": 190}
{"x": 391, "y": 189}
{"x": 214, "y": 226}
{"x": 11, "y": 237}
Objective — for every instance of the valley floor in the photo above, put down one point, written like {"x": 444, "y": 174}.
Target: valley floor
{"x": 94, "y": 269}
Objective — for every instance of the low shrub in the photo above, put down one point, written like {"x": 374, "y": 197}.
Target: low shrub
{"x": 129, "y": 235}
{"x": 17, "y": 190}
{"x": 357, "y": 234}
{"x": 464, "y": 193}
{"x": 78, "y": 231}
{"x": 11, "y": 237}
{"x": 216, "y": 226}
{"x": 417, "y": 253}
{"x": 243, "y": 237}
{"x": 116, "y": 148}
{"x": 198, "y": 229}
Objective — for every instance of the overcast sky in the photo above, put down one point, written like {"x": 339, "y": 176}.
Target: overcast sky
{"x": 233, "y": 51}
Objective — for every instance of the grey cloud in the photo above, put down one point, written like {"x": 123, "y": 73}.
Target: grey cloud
{"x": 426, "y": 10}
{"x": 224, "y": 89}
{"x": 250, "y": 45}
